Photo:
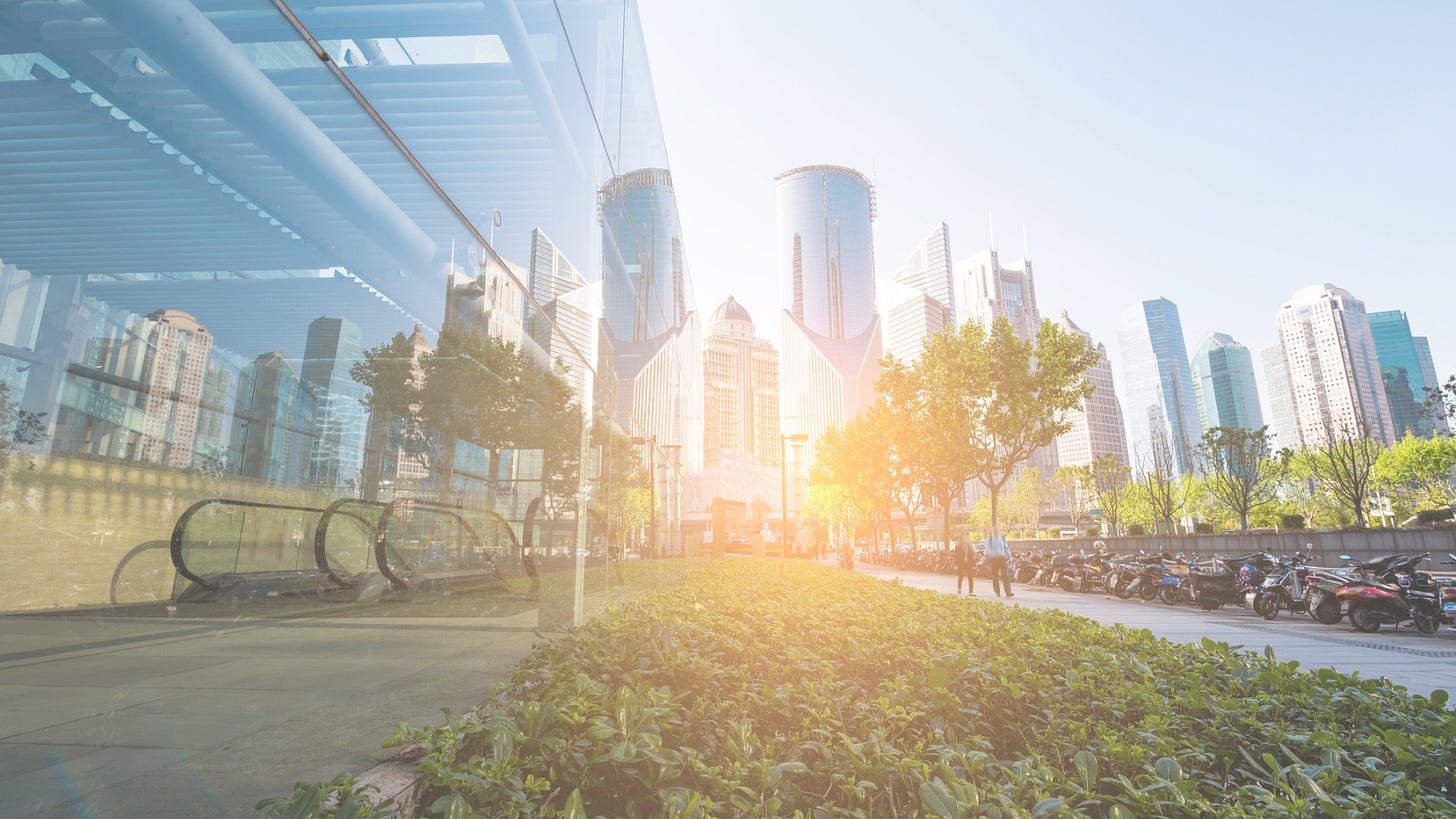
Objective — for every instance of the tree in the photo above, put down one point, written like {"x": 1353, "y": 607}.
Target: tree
{"x": 18, "y": 428}
{"x": 1239, "y": 470}
{"x": 391, "y": 376}
{"x": 1440, "y": 403}
{"x": 1074, "y": 486}
{"x": 1424, "y": 469}
{"x": 1028, "y": 389}
{"x": 1026, "y": 497}
{"x": 1160, "y": 486}
{"x": 1109, "y": 476}
{"x": 1343, "y": 466}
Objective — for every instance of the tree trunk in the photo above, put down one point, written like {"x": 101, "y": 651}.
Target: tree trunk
{"x": 493, "y": 469}
{"x": 995, "y": 513}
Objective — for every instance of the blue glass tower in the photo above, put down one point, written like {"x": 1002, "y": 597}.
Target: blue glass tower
{"x": 1401, "y": 372}
{"x": 1223, "y": 378}
{"x": 1162, "y": 413}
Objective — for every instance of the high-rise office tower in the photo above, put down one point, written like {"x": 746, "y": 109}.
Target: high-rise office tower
{"x": 909, "y": 318}
{"x": 656, "y": 348}
{"x": 740, "y": 389}
{"x": 1097, "y": 425}
{"x": 334, "y": 345}
{"x": 831, "y": 334}
{"x": 1403, "y": 373}
{"x": 1224, "y": 384}
{"x": 1335, "y": 385}
{"x": 930, "y": 271}
{"x": 551, "y": 276}
{"x": 486, "y": 302}
{"x": 1162, "y": 414}
{"x": 1428, "y": 373}
{"x": 1282, "y": 421}
{"x": 987, "y": 290}
{"x": 273, "y": 436}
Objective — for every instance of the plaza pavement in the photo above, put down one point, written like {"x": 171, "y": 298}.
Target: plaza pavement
{"x": 201, "y": 715}
{"x": 1421, "y": 663}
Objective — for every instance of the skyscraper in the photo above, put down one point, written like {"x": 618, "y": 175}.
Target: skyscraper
{"x": 1402, "y": 373}
{"x": 929, "y": 270}
{"x": 987, "y": 290}
{"x": 740, "y": 389}
{"x": 1162, "y": 414}
{"x": 1335, "y": 385}
{"x": 551, "y": 276}
{"x": 332, "y": 348}
{"x": 1282, "y": 421}
{"x": 1224, "y": 384}
{"x": 656, "y": 353}
{"x": 910, "y": 318}
{"x": 1428, "y": 372}
{"x": 831, "y": 333}
{"x": 1097, "y": 425}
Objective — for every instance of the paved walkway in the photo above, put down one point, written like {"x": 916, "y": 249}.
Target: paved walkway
{"x": 202, "y": 716}
{"x": 1419, "y": 662}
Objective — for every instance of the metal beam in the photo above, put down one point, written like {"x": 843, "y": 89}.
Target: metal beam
{"x": 185, "y": 43}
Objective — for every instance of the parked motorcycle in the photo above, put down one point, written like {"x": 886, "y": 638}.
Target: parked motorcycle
{"x": 1231, "y": 578}
{"x": 1391, "y": 590}
{"x": 1282, "y": 589}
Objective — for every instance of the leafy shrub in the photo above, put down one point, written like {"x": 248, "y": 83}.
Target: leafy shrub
{"x": 1202, "y": 528}
{"x": 1137, "y": 530}
{"x": 1430, "y": 517}
{"x": 765, "y": 688}
{"x": 1291, "y": 523}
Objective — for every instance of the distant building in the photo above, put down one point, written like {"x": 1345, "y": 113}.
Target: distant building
{"x": 1162, "y": 413}
{"x": 909, "y": 318}
{"x": 487, "y": 304}
{"x": 334, "y": 345}
{"x": 1403, "y": 373}
{"x": 831, "y": 334}
{"x": 930, "y": 271}
{"x": 988, "y": 290}
{"x": 1335, "y": 385}
{"x": 1225, "y": 385}
{"x": 740, "y": 389}
{"x": 550, "y": 277}
{"x": 1428, "y": 372}
{"x": 273, "y": 436}
{"x": 1097, "y": 425}
{"x": 1282, "y": 421}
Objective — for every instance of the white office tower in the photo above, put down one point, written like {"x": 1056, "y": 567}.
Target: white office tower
{"x": 910, "y": 318}
{"x": 831, "y": 334}
{"x": 1282, "y": 422}
{"x": 986, "y": 290}
{"x": 929, "y": 271}
{"x": 1096, "y": 426}
{"x": 740, "y": 389}
{"x": 1335, "y": 385}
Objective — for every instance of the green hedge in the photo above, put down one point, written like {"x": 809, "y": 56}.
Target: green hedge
{"x": 765, "y": 688}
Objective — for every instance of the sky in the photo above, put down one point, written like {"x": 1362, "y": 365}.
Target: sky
{"x": 1221, "y": 155}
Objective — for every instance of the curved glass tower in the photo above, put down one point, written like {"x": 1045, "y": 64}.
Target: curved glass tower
{"x": 642, "y": 256}
{"x": 826, "y": 248}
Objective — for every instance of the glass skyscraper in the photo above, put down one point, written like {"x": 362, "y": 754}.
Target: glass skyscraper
{"x": 1403, "y": 372}
{"x": 1162, "y": 413}
{"x": 1223, "y": 378}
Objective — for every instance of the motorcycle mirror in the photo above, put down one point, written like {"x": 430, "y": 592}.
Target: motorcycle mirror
{"x": 1346, "y": 557}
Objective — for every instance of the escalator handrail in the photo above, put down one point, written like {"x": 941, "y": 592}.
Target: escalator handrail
{"x": 320, "y": 535}
{"x": 181, "y": 528}
{"x": 381, "y": 538}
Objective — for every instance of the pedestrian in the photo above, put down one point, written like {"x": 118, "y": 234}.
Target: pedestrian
{"x": 998, "y": 557}
{"x": 965, "y": 567}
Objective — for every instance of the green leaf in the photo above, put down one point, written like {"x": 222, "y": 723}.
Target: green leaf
{"x": 1046, "y": 807}
{"x": 574, "y": 809}
{"x": 1120, "y": 812}
{"x": 1439, "y": 697}
{"x": 1086, "y": 763}
{"x": 939, "y": 675}
{"x": 1168, "y": 769}
{"x": 935, "y": 798}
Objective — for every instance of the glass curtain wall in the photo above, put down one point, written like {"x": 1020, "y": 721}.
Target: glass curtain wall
{"x": 232, "y": 271}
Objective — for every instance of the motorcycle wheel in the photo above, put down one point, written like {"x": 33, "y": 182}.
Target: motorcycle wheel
{"x": 1067, "y": 584}
{"x": 1168, "y": 594}
{"x": 1209, "y": 604}
{"x": 1365, "y": 619}
{"x": 1327, "y": 612}
{"x": 1123, "y": 590}
{"x": 1268, "y": 605}
{"x": 1148, "y": 592}
{"x": 1427, "y": 623}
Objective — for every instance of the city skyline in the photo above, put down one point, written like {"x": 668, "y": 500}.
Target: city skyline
{"x": 1245, "y": 182}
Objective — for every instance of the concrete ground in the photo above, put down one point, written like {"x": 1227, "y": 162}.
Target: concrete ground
{"x": 201, "y": 714}
{"x": 1421, "y": 663}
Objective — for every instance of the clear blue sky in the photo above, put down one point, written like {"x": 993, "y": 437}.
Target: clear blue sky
{"x": 1220, "y": 154}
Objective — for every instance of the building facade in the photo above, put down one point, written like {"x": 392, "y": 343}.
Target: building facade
{"x": 1335, "y": 384}
{"x": 909, "y": 317}
{"x": 832, "y": 338}
{"x": 740, "y": 389}
{"x": 1282, "y": 421}
{"x": 1097, "y": 426}
{"x": 989, "y": 290}
{"x": 1225, "y": 385}
{"x": 929, "y": 270}
{"x": 1162, "y": 413}
{"x": 1404, "y": 373}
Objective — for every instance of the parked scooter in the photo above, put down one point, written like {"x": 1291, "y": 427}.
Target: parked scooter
{"x": 1391, "y": 590}
{"x": 1282, "y": 589}
{"x": 1228, "y": 583}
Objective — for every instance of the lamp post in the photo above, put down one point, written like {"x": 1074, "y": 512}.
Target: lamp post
{"x": 651, "y": 442}
{"x": 672, "y": 499}
{"x": 797, "y": 438}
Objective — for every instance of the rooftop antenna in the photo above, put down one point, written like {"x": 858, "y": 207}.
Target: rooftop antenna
{"x": 990, "y": 222}
{"x": 1025, "y": 243}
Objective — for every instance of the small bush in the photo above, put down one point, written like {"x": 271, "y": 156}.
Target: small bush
{"x": 1291, "y": 523}
{"x": 1430, "y": 517}
{"x": 1201, "y": 528}
{"x": 1137, "y": 530}
{"x": 765, "y": 689}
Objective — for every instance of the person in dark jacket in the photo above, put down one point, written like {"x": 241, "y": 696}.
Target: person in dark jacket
{"x": 965, "y": 562}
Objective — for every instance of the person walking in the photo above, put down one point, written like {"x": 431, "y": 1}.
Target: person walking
{"x": 965, "y": 562}
{"x": 998, "y": 557}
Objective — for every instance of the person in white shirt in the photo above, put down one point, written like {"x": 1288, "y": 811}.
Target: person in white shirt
{"x": 998, "y": 558}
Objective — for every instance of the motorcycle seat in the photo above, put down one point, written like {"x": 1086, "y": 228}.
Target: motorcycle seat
{"x": 1210, "y": 575}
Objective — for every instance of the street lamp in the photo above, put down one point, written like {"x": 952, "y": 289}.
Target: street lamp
{"x": 798, "y": 438}
{"x": 672, "y": 497}
{"x": 651, "y": 442}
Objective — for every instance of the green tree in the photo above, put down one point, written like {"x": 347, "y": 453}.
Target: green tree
{"x": 1424, "y": 469}
{"x": 391, "y": 376}
{"x": 1025, "y": 499}
{"x": 1109, "y": 478}
{"x": 1073, "y": 485}
{"x": 1160, "y": 486}
{"x": 1240, "y": 471}
{"x": 1343, "y": 467}
{"x": 1026, "y": 389}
